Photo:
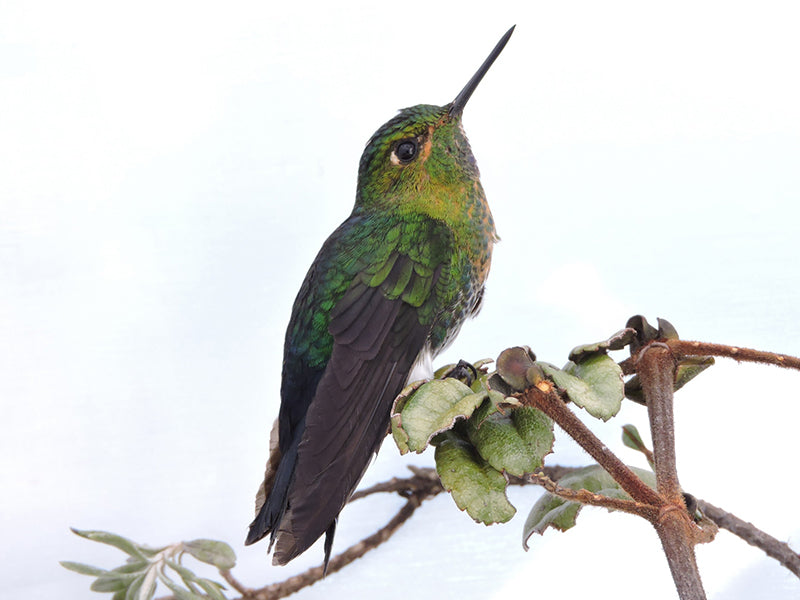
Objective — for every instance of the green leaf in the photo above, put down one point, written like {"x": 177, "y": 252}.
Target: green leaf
{"x": 475, "y": 486}
{"x": 212, "y": 552}
{"x": 632, "y": 438}
{"x": 82, "y": 568}
{"x": 690, "y": 367}
{"x": 561, "y": 514}
{"x": 132, "y": 566}
{"x": 179, "y": 592}
{"x": 687, "y": 369}
{"x": 595, "y": 384}
{"x": 434, "y": 407}
{"x": 133, "y": 591}
{"x": 516, "y": 443}
{"x": 112, "y": 539}
{"x": 187, "y": 576}
{"x": 443, "y": 370}
{"x": 616, "y": 342}
{"x": 114, "y": 583}
{"x": 212, "y": 588}
{"x": 604, "y": 377}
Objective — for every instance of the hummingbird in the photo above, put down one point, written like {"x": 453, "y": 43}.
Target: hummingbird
{"x": 389, "y": 290}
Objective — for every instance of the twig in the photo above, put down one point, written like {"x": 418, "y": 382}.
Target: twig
{"x": 424, "y": 481}
{"x": 425, "y": 484}
{"x": 550, "y": 403}
{"x": 311, "y": 576}
{"x": 688, "y": 348}
{"x": 774, "y": 548}
{"x": 590, "y": 498}
{"x": 234, "y": 583}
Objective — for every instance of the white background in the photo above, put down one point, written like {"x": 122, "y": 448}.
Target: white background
{"x": 169, "y": 170}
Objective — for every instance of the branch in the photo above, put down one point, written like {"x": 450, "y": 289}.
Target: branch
{"x": 656, "y": 368}
{"x": 315, "y": 574}
{"x": 550, "y": 403}
{"x": 687, "y": 348}
{"x": 584, "y": 496}
{"x": 235, "y": 583}
{"x": 425, "y": 484}
{"x": 774, "y": 548}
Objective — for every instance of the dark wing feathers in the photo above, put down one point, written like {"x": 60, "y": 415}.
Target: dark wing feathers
{"x": 344, "y": 426}
{"x": 335, "y": 412}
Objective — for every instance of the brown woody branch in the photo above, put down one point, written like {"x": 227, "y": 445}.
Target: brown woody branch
{"x": 588, "y": 498}
{"x": 549, "y": 402}
{"x": 425, "y": 484}
{"x": 689, "y": 348}
{"x": 655, "y": 365}
{"x": 774, "y": 548}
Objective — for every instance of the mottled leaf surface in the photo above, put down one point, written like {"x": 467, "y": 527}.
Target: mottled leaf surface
{"x": 616, "y": 342}
{"x": 213, "y": 552}
{"x": 432, "y": 408}
{"x": 594, "y": 384}
{"x": 476, "y": 487}
{"x": 515, "y": 442}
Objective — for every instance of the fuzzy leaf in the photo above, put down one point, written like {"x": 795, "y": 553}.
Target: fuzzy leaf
{"x": 690, "y": 367}
{"x": 604, "y": 377}
{"x": 632, "y": 438}
{"x": 134, "y": 589}
{"x": 132, "y": 566}
{"x": 616, "y": 342}
{"x": 179, "y": 592}
{"x": 112, "y": 583}
{"x": 112, "y": 539}
{"x": 475, "y": 486}
{"x": 212, "y": 552}
{"x": 516, "y": 443}
{"x": 434, "y": 407}
{"x": 82, "y": 568}
{"x": 552, "y": 511}
{"x": 212, "y": 588}
{"x": 595, "y": 384}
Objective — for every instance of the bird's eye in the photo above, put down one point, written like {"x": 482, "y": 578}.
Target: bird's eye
{"x": 406, "y": 151}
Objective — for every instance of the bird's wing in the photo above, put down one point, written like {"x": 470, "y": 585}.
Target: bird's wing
{"x": 379, "y": 327}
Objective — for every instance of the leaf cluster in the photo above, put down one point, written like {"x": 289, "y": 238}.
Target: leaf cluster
{"x": 146, "y": 567}
{"x": 483, "y": 433}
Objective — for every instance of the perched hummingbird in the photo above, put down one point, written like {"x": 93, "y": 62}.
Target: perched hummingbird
{"x": 389, "y": 290}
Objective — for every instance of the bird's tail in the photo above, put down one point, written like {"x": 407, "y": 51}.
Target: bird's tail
{"x": 273, "y": 493}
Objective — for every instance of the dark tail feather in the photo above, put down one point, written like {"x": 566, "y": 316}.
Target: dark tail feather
{"x": 271, "y": 513}
{"x": 328, "y": 545}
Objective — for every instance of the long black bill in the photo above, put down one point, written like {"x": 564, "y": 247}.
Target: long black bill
{"x": 461, "y": 100}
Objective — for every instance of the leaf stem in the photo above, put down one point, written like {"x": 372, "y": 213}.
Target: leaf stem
{"x": 589, "y": 498}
